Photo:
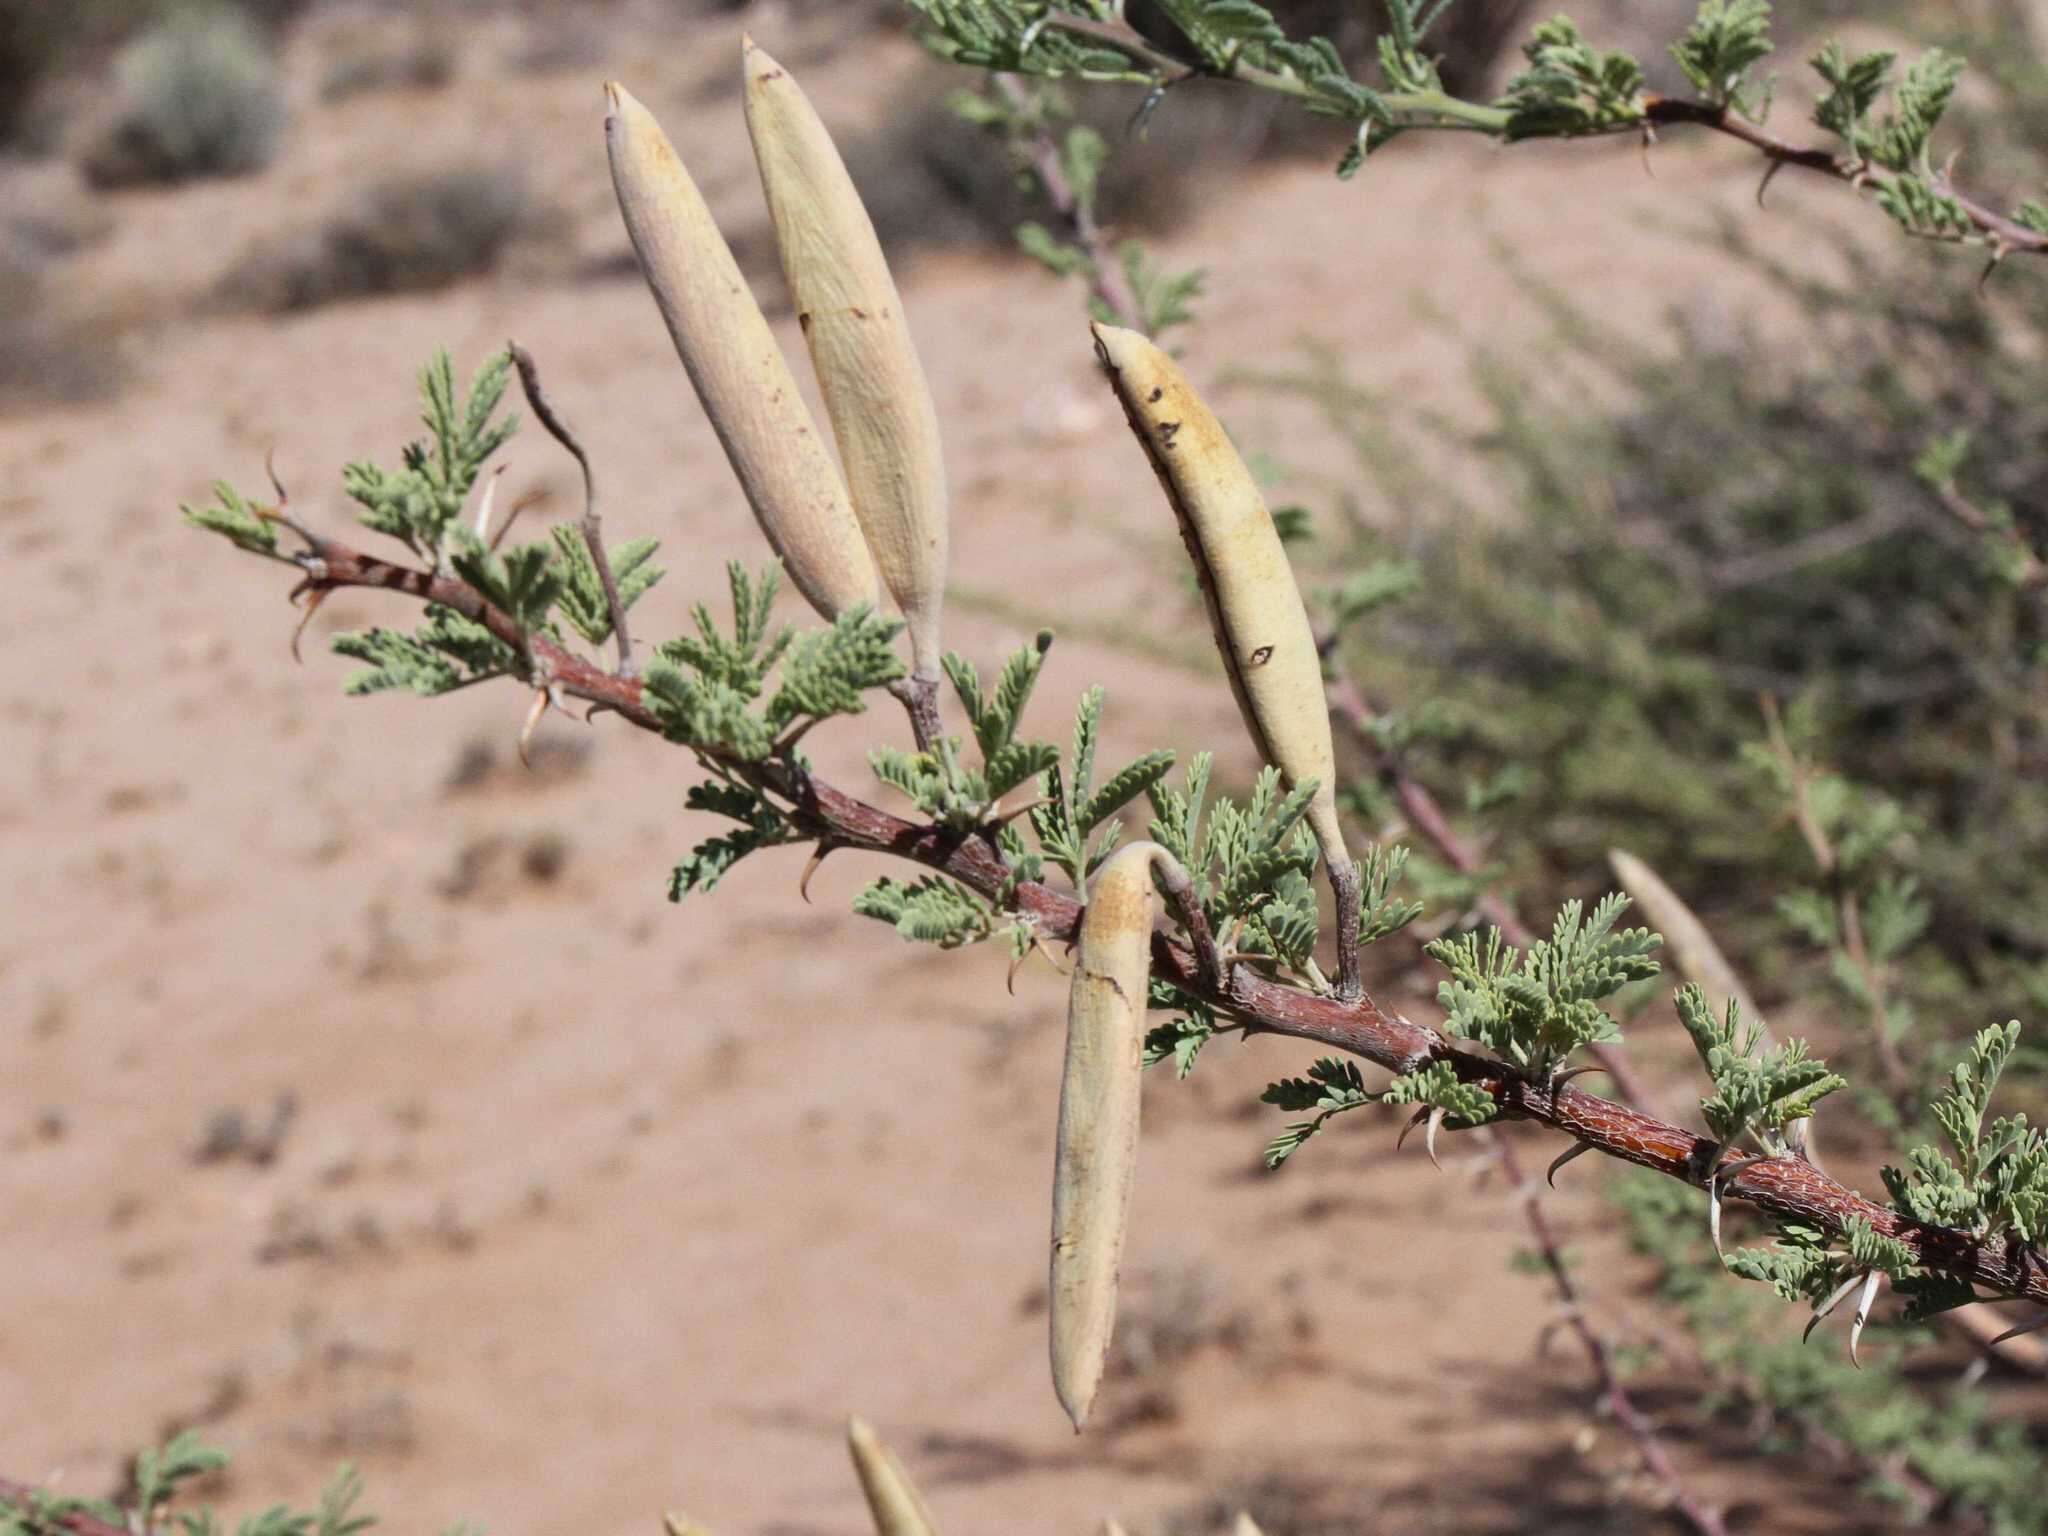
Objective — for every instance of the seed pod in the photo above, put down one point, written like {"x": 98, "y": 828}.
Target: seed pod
{"x": 739, "y": 373}
{"x": 1255, "y": 608}
{"x": 1244, "y": 1525}
{"x": 873, "y": 385}
{"x": 893, "y": 1503}
{"x": 1097, "y": 1151}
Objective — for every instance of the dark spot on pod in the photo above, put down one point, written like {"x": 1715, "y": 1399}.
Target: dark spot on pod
{"x": 1262, "y": 655}
{"x": 803, "y": 321}
{"x": 1158, "y": 394}
{"x": 858, "y": 313}
{"x": 1168, "y": 430}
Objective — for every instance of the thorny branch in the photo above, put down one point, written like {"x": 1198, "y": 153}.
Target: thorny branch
{"x": 1785, "y": 1188}
{"x": 1439, "y": 110}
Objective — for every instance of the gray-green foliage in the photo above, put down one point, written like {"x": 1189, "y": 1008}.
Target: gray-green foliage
{"x": 1534, "y": 1009}
{"x": 1937, "y": 1435}
{"x": 1721, "y": 50}
{"x": 1993, "y": 1181}
{"x": 198, "y": 95}
{"x": 1756, "y": 1092}
{"x": 1569, "y": 86}
{"x": 1333, "y": 1086}
{"x": 1070, "y": 822}
{"x": 707, "y": 689}
{"x": 160, "y": 1477}
{"x": 942, "y": 782}
{"x": 419, "y": 503}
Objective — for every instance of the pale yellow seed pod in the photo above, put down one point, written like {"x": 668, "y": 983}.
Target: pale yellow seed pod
{"x": 1096, "y": 1154}
{"x": 893, "y": 1502}
{"x": 1686, "y": 939}
{"x": 683, "y": 1525}
{"x": 1262, "y": 627}
{"x": 868, "y": 372}
{"x": 1111, "y": 1528}
{"x": 1244, "y": 1525}
{"x": 738, "y": 371}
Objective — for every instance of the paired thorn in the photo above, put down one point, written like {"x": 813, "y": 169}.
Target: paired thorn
{"x": 1430, "y": 1116}
{"x": 1559, "y": 1079}
{"x": 1039, "y": 946}
{"x": 1576, "y": 1149}
{"x": 1870, "y": 1284}
{"x": 284, "y": 497}
{"x": 543, "y": 698}
{"x": 1728, "y": 1171}
{"x": 1833, "y": 1300}
{"x": 818, "y": 856}
{"x": 315, "y": 596}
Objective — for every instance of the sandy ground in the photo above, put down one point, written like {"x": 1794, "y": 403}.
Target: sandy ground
{"x": 590, "y": 1205}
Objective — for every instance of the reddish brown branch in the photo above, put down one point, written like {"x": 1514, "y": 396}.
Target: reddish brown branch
{"x": 1783, "y": 1187}
{"x": 1349, "y": 704}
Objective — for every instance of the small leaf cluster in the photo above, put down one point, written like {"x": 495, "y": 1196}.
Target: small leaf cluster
{"x": 444, "y": 652}
{"x": 1996, "y": 1181}
{"x": 928, "y": 910}
{"x": 1181, "y": 1039}
{"x": 160, "y": 1475}
{"x": 1721, "y": 50}
{"x": 1250, "y": 865}
{"x": 581, "y": 598}
{"x": 1756, "y": 1093}
{"x": 235, "y": 520}
{"x": 1535, "y": 1009}
{"x": 1074, "y": 810}
{"x": 1898, "y": 140}
{"x": 1571, "y": 87}
{"x": 1333, "y": 1085}
{"x": 704, "y": 688}
{"x": 1439, "y": 1086}
{"x": 421, "y": 502}
{"x": 939, "y": 782}
{"x": 761, "y": 825}
{"x": 1012, "y": 35}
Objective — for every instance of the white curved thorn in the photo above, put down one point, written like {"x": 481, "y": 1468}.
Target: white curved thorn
{"x": 1833, "y": 1300}
{"x": 1870, "y": 1284}
{"x": 1436, "y": 1119}
{"x": 541, "y": 700}
{"x": 1714, "y": 1215}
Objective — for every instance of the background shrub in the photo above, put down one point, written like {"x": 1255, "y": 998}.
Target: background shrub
{"x": 407, "y": 233}
{"x": 196, "y": 95}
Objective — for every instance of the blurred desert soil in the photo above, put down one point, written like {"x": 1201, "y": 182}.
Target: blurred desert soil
{"x": 579, "y": 1205}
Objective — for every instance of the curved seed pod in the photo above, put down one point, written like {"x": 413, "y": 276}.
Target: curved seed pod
{"x": 873, "y": 385}
{"x": 739, "y": 373}
{"x": 1097, "y": 1150}
{"x": 1255, "y": 608}
{"x": 1244, "y": 1525}
{"x": 893, "y": 1503}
